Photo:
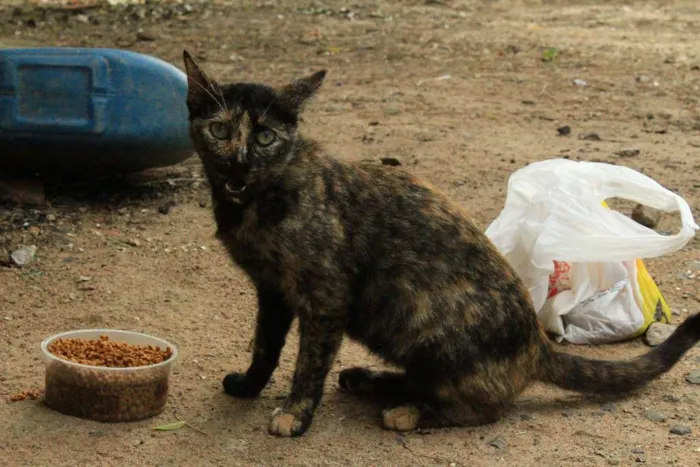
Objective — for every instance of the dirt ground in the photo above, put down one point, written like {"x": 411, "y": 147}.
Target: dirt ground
{"x": 463, "y": 93}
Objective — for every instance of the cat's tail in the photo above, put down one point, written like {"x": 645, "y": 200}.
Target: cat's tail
{"x": 607, "y": 377}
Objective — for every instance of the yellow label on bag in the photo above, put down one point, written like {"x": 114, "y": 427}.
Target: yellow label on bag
{"x": 648, "y": 297}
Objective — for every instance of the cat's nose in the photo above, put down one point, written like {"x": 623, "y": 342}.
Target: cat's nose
{"x": 241, "y": 156}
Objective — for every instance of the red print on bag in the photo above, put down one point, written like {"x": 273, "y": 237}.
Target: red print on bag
{"x": 559, "y": 279}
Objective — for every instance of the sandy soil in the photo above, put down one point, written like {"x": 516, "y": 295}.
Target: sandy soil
{"x": 384, "y": 97}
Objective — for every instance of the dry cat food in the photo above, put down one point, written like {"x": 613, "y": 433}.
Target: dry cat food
{"x": 120, "y": 382}
{"x": 104, "y": 352}
{"x": 31, "y": 394}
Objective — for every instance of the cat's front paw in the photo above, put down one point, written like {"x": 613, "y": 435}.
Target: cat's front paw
{"x": 240, "y": 385}
{"x": 289, "y": 425}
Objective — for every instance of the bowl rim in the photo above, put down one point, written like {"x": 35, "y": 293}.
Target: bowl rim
{"x": 45, "y": 343}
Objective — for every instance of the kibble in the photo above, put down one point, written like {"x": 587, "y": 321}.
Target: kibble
{"x": 105, "y": 352}
{"x": 115, "y": 385}
{"x": 31, "y": 394}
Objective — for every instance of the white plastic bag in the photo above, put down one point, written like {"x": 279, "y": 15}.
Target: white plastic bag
{"x": 581, "y": 260}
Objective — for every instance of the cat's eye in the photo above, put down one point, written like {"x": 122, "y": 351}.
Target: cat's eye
{"x": 220, "y": 130}
{"x": 265, "y": 137}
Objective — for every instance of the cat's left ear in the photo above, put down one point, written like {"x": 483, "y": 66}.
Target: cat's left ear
{"x": 295, "y": 94}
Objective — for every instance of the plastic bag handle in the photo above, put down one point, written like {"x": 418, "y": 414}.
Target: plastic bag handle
{"x": 625, "y": 183}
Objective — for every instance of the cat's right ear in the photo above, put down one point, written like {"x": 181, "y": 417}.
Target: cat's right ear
{"x": 198, "y": 83}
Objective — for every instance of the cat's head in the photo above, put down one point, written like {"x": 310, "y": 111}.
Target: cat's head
{"x": 242, "y": 127}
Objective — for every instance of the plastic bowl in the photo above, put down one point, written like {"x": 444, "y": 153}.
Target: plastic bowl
{"x": 107, "y": 394}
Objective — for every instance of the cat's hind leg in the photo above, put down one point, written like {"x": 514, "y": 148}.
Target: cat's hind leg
{"x": 363, "y": 381}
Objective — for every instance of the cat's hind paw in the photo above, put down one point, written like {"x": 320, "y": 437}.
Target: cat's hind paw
{"x": 402, "y": 418}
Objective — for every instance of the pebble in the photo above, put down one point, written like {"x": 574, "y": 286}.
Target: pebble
{"x": 693, "y": 377}
{"x": 499, "y": 442}
{"x": 392, "y": 161}
{"x": 637, "y": 451}
{"x": 671, "y": 398}
{"x": 608, "y": 407}
{"x": 631, "y": 152}
{"x": 166, "y": 207}
{"x": 391, "y": 111}
{"x": 23, "y": 255}
{"x": 658, "y": 332}
{"x": 133, "y": 242}
{"x": 681, "y": 430}
{"x": 654, "y": 416}
{"x": 613, "y": 462}
{"x": 527, "y": 417}
{"x": 646, "y": 216}
{"x": 564, "y": 130}
{"x": 51, "y": 217}
{"x": 568, "y": 413}
{"x": 591, "y": 137}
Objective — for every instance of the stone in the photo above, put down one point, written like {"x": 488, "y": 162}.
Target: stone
{"x": 646, "y": 216}
{"x": 658, "y": 332}
{"x": 693, "y": 377}
{"x": 654, "y": 416}
{"x": 681, "y": 430}
{"x": 564, "y": 130}
{"x": 631, "y": 152}
{"x": 608, "y": 407}
{"x": 499, "y": 442}
{"x": 23, "y": 255}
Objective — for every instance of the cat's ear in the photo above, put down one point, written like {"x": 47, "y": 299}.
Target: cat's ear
{"x": 198, "y": 83}
{"x": 295, "y": 94}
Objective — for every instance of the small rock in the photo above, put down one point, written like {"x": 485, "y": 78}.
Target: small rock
{"x": 643, "y": 78}
{"x": 693, "y": 265}
{"x": 693, "y": 377}
{"x": 637, "y": 451}
{"x": 631, "y": 152}
{"x": 646, "y": 216}
{"x": 654, "y": 416}
{"x": 671, "y": 398}
{"x": 681, "y": 430}
{"x": 591, "y": 137}
{"x": 82, "y": 18}
{"x": 392, "y": 161}
{"x": 608, "y": 407}
{"x": 203, "y": 203}
{"x": 527, "y": 417}
{"x": 658, "y": 332}
{"x": 144, "y": 36}
{"x": 391, "y": 111}
{"x": 580, "y": 82}
{"x": 568, "y": 413}
{"x": 613, "y": 462}
{"x": 166, "y": 207}
{"x": 640, "y": 459}
{"x": 133, "y": 242}
{"x": 51, "y": 217}
{"x": 564, "y": 130}
{"x": 498, "y": 442}
{"x": 23, "y": 255}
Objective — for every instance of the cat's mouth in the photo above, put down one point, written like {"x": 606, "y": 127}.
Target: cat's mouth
{"x": 234, "y": 189}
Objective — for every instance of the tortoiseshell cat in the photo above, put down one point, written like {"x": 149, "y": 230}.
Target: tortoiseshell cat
{"x": 376, "y": 254}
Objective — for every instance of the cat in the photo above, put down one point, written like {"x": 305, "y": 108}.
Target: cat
{"x": 374, "y": 253}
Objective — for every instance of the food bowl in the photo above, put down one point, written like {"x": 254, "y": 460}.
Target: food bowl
{"x": 108, "y": 393}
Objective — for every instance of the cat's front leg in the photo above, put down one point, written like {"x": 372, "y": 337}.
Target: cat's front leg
{"x": 320, "y": 338}
{"x": 274, "y": 320}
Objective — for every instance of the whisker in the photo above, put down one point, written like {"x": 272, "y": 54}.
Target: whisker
{"x": 210, "y": 94}
{"x": 268, "y": 107}
{"x": 221, "y": 94}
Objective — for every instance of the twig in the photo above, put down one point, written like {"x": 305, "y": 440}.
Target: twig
{"x": 187, "y": 424}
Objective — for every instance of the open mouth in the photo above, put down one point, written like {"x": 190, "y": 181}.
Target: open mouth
{"x": 234, "y": 190}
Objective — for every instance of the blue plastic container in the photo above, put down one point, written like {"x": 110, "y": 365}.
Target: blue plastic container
{"x": 81, "y": 111}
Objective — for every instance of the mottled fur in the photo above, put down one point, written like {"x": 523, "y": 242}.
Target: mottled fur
{"x": 375, "y": 254}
